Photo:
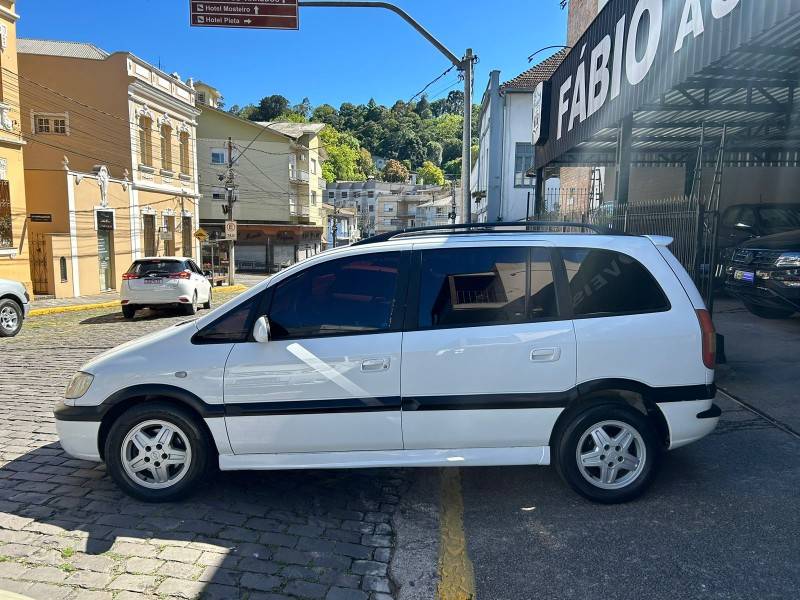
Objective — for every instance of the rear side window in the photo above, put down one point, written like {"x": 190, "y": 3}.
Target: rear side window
{"x": 348, "y": 295}
{"x": 157, "y": 267}
{"x": 605, "y": 283}
{"x": 485, "y": 286}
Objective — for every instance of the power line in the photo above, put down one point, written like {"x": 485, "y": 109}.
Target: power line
{"x": 422, "y": 91}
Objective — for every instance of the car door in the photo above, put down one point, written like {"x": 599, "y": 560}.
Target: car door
{"x": 329, "y": 378}
{"x": 201, "y": 281}
{"x": 487, "y": 362}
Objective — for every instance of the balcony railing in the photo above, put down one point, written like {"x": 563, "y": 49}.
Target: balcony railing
{"x": 298, "y": 210}
{"x": 298, "y": 175}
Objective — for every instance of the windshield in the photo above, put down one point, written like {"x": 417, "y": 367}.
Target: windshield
{"x": 780, "y": 218}
{"x": 156, "y": 267}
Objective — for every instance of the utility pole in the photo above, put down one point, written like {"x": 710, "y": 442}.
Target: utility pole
{"x": 453, "y": 205}
{"x": 335, "y": 223}
{"x": 464, "y": 64}
{"x": 230, "y": 189}
{"x": 466, "y": 157}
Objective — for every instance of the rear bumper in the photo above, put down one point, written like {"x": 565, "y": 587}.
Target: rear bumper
{"x": 689, "y": 421}
{"x": 179, "y": 294}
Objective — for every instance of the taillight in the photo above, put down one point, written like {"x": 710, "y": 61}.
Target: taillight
{"x": 127, "y": 276}
{"x": 181, "y": 275}
{"x": 709, "y": 338}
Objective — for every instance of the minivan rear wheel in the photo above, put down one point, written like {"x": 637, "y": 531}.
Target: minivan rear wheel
{"x": 157, "y": 452}
{"x": 608, "y": 453}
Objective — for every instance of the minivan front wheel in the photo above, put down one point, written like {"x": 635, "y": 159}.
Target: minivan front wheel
{"x": 156, "y": 452}
{"x": 608, "y": 453}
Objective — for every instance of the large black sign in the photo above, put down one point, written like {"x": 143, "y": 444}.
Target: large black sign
{"x": 636, "y": 50}
{"x": 105, "y": 220}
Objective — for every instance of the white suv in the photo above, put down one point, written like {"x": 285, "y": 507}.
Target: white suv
{"x": 161, "y": 281}
{"x": 591, "y": 352}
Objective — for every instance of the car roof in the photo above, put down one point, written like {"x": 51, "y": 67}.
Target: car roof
{"x": 164, "y": 258}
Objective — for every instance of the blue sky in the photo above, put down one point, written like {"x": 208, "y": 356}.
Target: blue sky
{"x": 338, "y": 55}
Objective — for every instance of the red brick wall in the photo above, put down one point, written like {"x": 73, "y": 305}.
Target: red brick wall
{"x": 581, "y": 15}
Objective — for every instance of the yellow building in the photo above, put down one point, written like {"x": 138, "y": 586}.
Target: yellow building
{"x": 110, "y": 164}
{"x": 14, "y": 263}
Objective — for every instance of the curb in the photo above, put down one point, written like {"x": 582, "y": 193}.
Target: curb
{"x": 54, "y": 310}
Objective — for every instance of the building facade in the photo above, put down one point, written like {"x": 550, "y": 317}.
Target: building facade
{"x": 341, "y": 222}
{"x": 110, "y": 162}
{"x": 14, "y": 238}
{"x": 277, "y": 175}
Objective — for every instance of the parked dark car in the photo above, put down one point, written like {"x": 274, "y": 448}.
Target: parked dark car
{"x": 765, "y": 274}
{"x": 743, "y": 222}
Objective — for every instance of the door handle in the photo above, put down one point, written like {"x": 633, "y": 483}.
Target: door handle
{"x": 545, "y": 354}
{"x": 375, "y": 364}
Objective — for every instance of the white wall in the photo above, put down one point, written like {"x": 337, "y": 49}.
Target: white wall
{"x": 518, "y": 128}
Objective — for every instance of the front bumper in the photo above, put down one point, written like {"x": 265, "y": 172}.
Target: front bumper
{"x": 769, "y": 294}
{"x": 78, "y": 429}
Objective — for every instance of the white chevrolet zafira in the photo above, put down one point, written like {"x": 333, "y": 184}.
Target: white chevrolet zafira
{"x": 591, "y": 352}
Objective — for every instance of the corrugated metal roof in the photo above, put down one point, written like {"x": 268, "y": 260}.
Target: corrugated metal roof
{"x": 293, "y": 130}
{"x": 59, "y": 48}
{"x": 535, "y": 75}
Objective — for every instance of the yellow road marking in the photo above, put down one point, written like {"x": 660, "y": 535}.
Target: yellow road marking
{"x": 53, "y": 310}
{"x": 456, "y": 576}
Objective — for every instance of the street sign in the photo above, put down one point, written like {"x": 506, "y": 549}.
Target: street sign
{"x": 201, "y": 234}
{"x": 231, "y": 232}
{"x": 247, "y": 14}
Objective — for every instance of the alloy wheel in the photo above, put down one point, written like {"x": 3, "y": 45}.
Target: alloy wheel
{"x": 611, "y": 455}
{"x": 156, "y": 454}
{"x": 9, "y": 319}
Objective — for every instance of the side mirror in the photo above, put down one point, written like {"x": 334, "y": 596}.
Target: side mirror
{"x": 261, "y": 330}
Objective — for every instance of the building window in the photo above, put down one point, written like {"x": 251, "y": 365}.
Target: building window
{"x": 313, "y": 198}
{"x": 186, "y": 236}
{"x": 169, "y": 235}
{"x": 344, "y": 195}
{"x": 201, "y": 97}
{"x": 522, "y": 164}
{"x": 48, "y": 123}
{"x": 218, "y": 195}
{"x": 6, "y": 231}
{"x": 332, "y": 195}
{"x": 62, "y": 267}
{"x": 371, "y": 208}
{"x": 370, "y": 194}
{"x": 356, "y": 194}
{"x": 166, "y": 147}
{"x": 388, "y": 207}
{"x": 313, "y": 166}
{"x": 149, "y": 233}
{"x": 218, "y": 156}
{"x": 186, "y": 167}
{"x": 146, "y": 140}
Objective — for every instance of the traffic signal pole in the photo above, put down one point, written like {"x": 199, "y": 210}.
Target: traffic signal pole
{"x": 465, "y": 65}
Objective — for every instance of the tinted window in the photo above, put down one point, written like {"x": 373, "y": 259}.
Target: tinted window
{"x": 348, "y": 295}
{"x": 778, "y": 218}
{"x": 233, "y": 326}
{"x": 603, "y": 283}
{"x": 157, "y": 267}
{"x": 484, "y": 286}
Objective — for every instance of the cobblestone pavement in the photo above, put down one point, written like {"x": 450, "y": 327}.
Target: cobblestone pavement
{"x": 67, "y": 532}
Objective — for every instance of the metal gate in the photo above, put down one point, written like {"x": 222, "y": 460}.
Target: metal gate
{"x": 38, "y": 260}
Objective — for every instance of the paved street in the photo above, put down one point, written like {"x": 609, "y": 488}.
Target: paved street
{"x": 67, "y": 532}
{"x": 720, "y": 522}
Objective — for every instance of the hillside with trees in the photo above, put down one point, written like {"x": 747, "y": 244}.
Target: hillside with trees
{"x": 422, "y": 137}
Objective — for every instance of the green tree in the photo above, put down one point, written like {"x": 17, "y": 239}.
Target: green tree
{"x": 431, "y": 174}
{"x": 304, "y": 108}
{"x": 451, "y": 149}
{"x": 325, "y": 113}
{"x": 365, "y": 163}
{"x": 344, "y": 154}
{"x": 395, "y": 172}
{"x": 271, "y": 107}
{"x": 453, "y": 167}
{"x": 434, "y": 152}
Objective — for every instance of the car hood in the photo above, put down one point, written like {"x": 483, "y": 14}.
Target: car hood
{"x": 788, "y": 240}
{"x": 133, "y": 347}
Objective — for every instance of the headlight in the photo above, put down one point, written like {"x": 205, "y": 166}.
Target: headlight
{"x": 79, "y": 385}
{"x": 788, "y": 259}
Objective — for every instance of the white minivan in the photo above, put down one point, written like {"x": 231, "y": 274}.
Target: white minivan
{"x": 460, "y": 347}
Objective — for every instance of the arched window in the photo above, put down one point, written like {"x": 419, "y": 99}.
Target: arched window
{"x": 186, "y": 168}
{"x": 146, "y": 140}
{"x": 166, "y": 147}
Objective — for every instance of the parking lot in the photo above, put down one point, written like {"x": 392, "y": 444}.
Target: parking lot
{"x": 720, "y": 522}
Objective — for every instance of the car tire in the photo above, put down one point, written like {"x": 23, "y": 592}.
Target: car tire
{"x": 11, "y": 317}
{"x": 207, "y": 304}
{"x": 191, "y": 309}
{"x": 579, "y": 447}
{"x": 153, "y": 481}
{"x": 128, "y": 311}
{"x": 769, "y": 313}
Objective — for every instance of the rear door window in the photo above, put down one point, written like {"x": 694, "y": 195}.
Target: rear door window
{"x": 606, "y": 283}
{"x": 145, "y": 268}
{"x": 462, "y": 287}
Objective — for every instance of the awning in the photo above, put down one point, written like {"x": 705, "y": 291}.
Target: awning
{"x": 673, "y": 66}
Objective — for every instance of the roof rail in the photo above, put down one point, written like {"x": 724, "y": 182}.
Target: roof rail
{"x": 462, "y": 228}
